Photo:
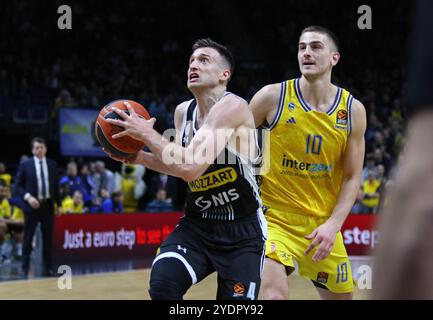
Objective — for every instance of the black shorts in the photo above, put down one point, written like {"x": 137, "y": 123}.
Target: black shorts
{"x": 235, "y": 250}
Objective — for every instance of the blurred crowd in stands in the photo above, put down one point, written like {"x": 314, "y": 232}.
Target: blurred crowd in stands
{"x": 86, "y": 188}
{"x": 140, "y": 52}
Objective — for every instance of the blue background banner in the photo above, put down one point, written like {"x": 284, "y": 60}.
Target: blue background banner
{"x": 77, "y": 137}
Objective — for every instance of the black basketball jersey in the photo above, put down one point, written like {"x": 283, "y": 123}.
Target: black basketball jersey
{"x": 227, "y": 190}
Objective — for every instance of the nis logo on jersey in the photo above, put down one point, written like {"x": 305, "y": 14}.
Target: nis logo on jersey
{"x": 220, "y": 199}
{"x": 213, "y": 179}
{"x": 305, "y": 166}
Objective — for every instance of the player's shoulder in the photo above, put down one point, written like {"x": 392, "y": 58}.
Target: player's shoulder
{"x": 183, "y": 106}
{"x": 358, "y": 116}
{"x": 230, "y": 110}
{"x": 180, "y": 111}
{"x": 233, "y": 102}
{"x": 269, "y": 94}
{"x": 271, "y": 90}
{"x": 357, "y": 108}
{"x": 230, "y": 96}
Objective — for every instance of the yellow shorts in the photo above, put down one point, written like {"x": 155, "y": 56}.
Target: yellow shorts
{"x": 286, "y": 244}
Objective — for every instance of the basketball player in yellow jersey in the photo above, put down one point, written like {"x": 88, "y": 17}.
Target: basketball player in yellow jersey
{"x": 315, "y": 160}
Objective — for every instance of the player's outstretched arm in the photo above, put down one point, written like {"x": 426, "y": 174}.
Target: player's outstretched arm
{"x": 324, "y": 235}
{"x": 190, "y": 162}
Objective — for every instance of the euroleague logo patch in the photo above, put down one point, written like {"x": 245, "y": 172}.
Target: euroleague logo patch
{"x": 322, "y": 277}
{"x": 239, "y": 290}
{"x": 342, "y": 117}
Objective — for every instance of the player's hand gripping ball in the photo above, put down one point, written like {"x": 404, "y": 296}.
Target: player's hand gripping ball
{"x": 124, "y": 147}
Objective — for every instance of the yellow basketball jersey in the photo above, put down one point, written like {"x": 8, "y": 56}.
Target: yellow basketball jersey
{"x": 305, "y": 155}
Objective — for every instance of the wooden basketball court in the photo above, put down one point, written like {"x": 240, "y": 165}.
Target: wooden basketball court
{"x": 131, "y": 285}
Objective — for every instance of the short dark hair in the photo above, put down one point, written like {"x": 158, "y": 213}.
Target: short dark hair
{"x": 38, "y": 140}
{"x": 331, "y": 35}
{"x": 222, "y": 50}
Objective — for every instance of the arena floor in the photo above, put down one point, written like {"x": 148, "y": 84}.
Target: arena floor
{"x": 130, "y": 285}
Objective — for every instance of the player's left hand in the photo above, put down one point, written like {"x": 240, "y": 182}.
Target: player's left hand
{"x": 324, "y": 236}
{"x": 134, "y": 126}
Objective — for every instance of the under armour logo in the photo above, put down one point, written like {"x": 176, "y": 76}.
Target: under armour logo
{"x": 182, "y": 249}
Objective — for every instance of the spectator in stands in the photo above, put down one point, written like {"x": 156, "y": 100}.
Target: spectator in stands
{"x": 369, "y": 167}
{"x": 370, "y": 189}
{"x": 159, "y": 181}
{"x": 5, "y": 211}
{"x": 64, "y": 191}
{"x": 381, "y": 174}
{"x": 113, "y": 204}
{"x": 395, "y": 137}
{"x": 5, "y": 208}
{"x": 373, "y": 126}
{"x": 63, "y": 100}
{"x": 379, "y": 139}
{"x": 6, "y": 177}
{"x": 3, "y": 250}
{"x": 74, "y": 204}
{"x": 16, "y": 228}
{"x": 132, "y": 186}
{"x": 103, "y": 179}
{"x": 71, "y": 178}
{"x": 12, "y": 246}
{"x": 381, "y": 156}
{"x": 160, "y": 204}
{"x": 87, "y": 185}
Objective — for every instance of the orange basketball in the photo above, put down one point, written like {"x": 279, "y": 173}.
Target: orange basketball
{"x": 124, "y": 147}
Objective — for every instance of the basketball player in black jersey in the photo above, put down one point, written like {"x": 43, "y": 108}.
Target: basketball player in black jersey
{"x": 223, "y": 229}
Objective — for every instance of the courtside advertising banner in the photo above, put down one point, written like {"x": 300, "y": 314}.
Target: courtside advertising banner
{"x": 107, "y": 237}
{"x": 77, "y": 136}
{"x": 360, "y": 234}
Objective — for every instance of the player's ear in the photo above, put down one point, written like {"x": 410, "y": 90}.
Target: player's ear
{"x": 335, "y": 57}
{"x": 226, "y": 75}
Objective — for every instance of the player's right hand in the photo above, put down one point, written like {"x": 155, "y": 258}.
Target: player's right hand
{"x": 131, "y": 160}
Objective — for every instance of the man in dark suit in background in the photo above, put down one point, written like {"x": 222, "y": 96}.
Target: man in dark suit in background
{"x": 37, "y": 187}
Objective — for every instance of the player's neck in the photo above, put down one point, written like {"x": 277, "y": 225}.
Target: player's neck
{"x": 318, "y": 91}
{"x": 206, "y": 99}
